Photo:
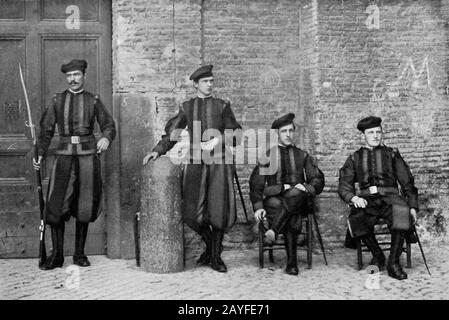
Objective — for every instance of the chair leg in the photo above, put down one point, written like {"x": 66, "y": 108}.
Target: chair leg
{"x": 184, "y": 247}
{"x": 359, "y": 254}
{"x": 409, "y": 255}
{"x": 270, "y": 253}
{"x": 261, "y": 257}
{"x": 309, "y": 242}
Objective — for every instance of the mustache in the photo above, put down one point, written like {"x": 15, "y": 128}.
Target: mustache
{"x": 73, "y": 82}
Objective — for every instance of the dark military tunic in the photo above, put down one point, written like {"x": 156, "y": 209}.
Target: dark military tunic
{"x": 75, "y": 186}
{"x": 208, "y": 188}
{"x": 285, "y": 207}
{"x": 383, "y": 168}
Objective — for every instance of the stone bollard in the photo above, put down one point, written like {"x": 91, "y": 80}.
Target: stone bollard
{"x": 161, "y": 228}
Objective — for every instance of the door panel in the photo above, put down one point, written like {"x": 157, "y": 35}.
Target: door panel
{"x": 12, "y": 51}
{"x": 59, "y": 9}
{"x": 12, "y": 10}
{"x": 35, "y": 33}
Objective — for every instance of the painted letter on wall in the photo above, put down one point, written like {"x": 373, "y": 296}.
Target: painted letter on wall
{"x": 373, "y": 19}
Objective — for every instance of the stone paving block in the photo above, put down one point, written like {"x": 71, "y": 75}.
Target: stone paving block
{"x": 121, "y": 279}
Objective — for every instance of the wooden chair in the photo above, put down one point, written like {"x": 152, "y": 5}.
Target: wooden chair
{"x": 309, "y": 219}
{"x": 380, "y": 230}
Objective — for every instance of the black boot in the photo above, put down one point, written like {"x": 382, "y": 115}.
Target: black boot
{"x": 216, "y": 249}
{"x": 206, "y": 235}
{"x": 291, "y": 247}
{"x": 56, "y": 259}
{"x": 394, "y": 268}
{"x": 378, "y": 255}
{"x": 79, "y": 258}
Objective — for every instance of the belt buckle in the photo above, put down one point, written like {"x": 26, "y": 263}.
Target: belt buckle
{"x": 74, "y": 139}
{"x": 373, "y": 189}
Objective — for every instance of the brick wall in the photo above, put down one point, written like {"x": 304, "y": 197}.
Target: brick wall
{"x": 318, "y": 58}
{"x": 254, "y": 46}
{"x": 397, "y": 70}
{"x": 149, "y": 83}
{"x": 308, "y": 73}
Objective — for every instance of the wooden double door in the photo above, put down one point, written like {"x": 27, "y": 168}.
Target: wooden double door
{"x": 42, "y": 35}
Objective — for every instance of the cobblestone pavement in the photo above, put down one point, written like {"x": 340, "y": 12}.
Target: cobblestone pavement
{"x": 121, "y": 279}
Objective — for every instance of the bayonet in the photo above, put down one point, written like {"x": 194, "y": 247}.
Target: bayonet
{"x": 30, "y": 124}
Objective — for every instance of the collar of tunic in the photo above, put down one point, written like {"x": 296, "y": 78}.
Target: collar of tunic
{"x": 76, "y": 92}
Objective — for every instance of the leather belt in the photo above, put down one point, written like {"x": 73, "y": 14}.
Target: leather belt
{"x": 76, "y": 139}
{"x": 379, "y": 190}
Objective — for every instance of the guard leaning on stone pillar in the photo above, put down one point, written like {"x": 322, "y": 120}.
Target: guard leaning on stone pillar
{"x": 208, "y": 204}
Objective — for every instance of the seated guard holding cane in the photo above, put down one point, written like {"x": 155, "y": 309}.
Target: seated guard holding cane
{"x": 283, "y": 196}
{"x": 378, "y": 169}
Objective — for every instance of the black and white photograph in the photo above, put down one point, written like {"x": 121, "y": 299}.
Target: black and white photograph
{"x": 224, "y": 154}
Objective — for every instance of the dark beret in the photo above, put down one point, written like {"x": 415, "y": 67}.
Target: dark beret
{"x": 368, "y": 123}
{"x": 202, "y": 72}
{"x": 74, "y": 65}
{"x": 283, "y": 121}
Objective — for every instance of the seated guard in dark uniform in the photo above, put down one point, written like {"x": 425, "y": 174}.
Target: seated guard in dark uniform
{"x": 378, "y": 169}
{"x": 282, "y": 198}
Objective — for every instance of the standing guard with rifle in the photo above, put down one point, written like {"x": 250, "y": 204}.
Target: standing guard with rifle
{"x": 75, "y": 187}
{"x": 378, "y": 170}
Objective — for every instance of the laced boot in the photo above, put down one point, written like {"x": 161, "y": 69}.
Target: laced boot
{"x": 56, "y": 259}
{"x": 394, "y": 268}
{"x": 206, "y": 235}
{"x": 216, "y": 249}
{"x": 378, "y": 255}
{"x": 291, "y": 247}
{"x": 79, "y": 258}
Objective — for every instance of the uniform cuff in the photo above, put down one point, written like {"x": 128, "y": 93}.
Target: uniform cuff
{"x": 310, "y": 189}
{"x": 159, "y": 150}
{"x": 41, "y": 152}
{"x": 258, "y": 205}
{"x": 413, "y": 204}
{"x": 349, "y": 197}
{"x": 107, "y": 137}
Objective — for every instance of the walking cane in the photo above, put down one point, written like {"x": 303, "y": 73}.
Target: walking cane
{"x": 420, "y": 248}
{"x": 137, "y": 237}
{"x": 319, "y": 238}
{"x": 241, "y": 195}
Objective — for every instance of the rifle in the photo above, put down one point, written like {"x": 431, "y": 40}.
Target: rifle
{"x": 29, "y": 124}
